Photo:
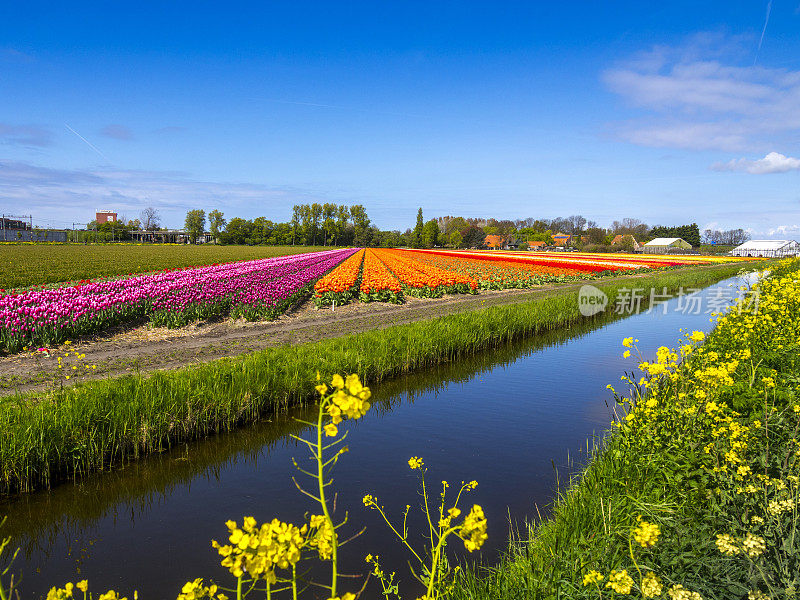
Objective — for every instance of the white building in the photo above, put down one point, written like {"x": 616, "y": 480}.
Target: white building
{"x": 666, "y": 245}
{"x": 767, "y": 249}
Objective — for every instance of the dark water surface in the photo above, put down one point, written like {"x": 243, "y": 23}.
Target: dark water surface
{"x": 507, "y": 418}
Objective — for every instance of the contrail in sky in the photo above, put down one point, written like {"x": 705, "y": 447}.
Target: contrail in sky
{"x": 87, "y": 142}
{"x": 763, "y": 31}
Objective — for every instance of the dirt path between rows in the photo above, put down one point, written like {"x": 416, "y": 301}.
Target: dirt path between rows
{"x": 140, "y": 348}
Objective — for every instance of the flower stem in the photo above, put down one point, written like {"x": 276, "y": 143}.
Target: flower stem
{"x": 323, "y": 502}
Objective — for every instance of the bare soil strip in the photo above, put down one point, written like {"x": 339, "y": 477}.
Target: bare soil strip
{"x": 140, "y": 348}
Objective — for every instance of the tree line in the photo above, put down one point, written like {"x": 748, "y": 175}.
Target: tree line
{"x": 328, "y": 224}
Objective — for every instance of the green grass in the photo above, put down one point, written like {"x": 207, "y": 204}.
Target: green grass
{"x": 96, "y": 425}
{"x": 24, "y": 265}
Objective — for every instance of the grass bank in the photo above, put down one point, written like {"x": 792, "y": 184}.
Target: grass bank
{"x": 94, "y": 426}
{"x": 707, "y": 457}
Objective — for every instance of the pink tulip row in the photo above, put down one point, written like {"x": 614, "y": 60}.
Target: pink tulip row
{"x": 170, "y": 298}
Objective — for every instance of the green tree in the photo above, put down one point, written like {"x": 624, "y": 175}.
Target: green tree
{"x": 358, "y": 214}
{"x": 295, "y": 222}
{"x": 456, "y": 240}
{"x": 236, "y": 232}
{"x": 342, "y": 217}
{"x": 416, "y": 236}
{"x": 456, "y": 224}
{"x": 216, "y": 221}
{"x": 328, "y": 221}
{"x": 473, "y": 237}
{"x": 195, "y": 224}
{"x": 430, "y": 234}
{"x": 315, "y": 212}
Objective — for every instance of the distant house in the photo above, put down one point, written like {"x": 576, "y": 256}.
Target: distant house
{"x": 494, "y": 242}
{"x": 618, "y": 240}
{"x": 537, "y": 245}
{"x": 502, "y": 242}
{"x": 767, "y": 249}
{"x": 561, "y": 239}
{"x": 666, "y": 245}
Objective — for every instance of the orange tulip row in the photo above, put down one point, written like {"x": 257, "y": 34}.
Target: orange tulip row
{"x": 376, "y": 276}
{"x": 343, "y": 278}
{"x": 416, "y": 274}
{"x": 485, "y": 270}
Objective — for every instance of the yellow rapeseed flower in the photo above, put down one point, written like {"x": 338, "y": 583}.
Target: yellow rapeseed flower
{"x": 415, "y": 462}
{"x": 678, "y": 592}
{"x": 753, "y": 545}
{"x": 473, "y": 530}
{"x": 620, "y": 582}
{"x": 651, "y": 586}
{"x": 646, "y": 534}
{"x": 593, "y": 577}
{"x": 727, "y": 544}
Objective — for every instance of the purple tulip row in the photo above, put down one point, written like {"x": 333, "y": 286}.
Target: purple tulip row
{"x": 170, "y": 298}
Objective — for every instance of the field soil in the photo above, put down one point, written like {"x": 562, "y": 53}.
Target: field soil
{"x": 139, "y": 348}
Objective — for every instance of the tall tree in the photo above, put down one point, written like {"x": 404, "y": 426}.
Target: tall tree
{"x": 342, "y": 217}
{"x": 295, "y": 221}
{"x": 430, "y": 234}
{"x": 150, "y": 218}
{"x": 629, "y": 226}
{"x": 195, "y": 224}
{"x": 216, "y": 221}
{"x": 305, "y": 219}
{"x": 315, "y": 212}
{"x": 416, "y": 241}
{"x": 358, "y": 214}
{"x": 473, "y": 237}
{"x": 576, "y": 224}
{"x": 328, "y": 222}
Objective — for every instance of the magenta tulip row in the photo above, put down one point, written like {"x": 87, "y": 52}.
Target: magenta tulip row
{"x": 169, "y": 298}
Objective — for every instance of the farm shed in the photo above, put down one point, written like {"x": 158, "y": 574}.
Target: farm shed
{"x": 666, "y": 245}
{"x": 767, "y": 248}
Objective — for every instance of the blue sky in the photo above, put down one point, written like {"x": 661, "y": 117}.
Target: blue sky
{"x": 670, "y": 114}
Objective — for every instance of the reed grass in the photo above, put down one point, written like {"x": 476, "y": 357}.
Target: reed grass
{"x": 97, "y": 425}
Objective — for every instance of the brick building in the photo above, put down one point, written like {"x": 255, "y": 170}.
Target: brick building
{"x": 105, "y": 216}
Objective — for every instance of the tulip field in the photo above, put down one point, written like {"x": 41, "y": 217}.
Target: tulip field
{"x": 252, "y": 289}
{"x": 387, "y": 275}
{"x": 265, "y": 288}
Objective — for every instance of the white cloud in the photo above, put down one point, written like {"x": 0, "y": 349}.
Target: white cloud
{"x": 773, "y": 162}
{"x": 696, "y": 96}
{"x": 788, "y": 231}
{"x": 61, "y": 196}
